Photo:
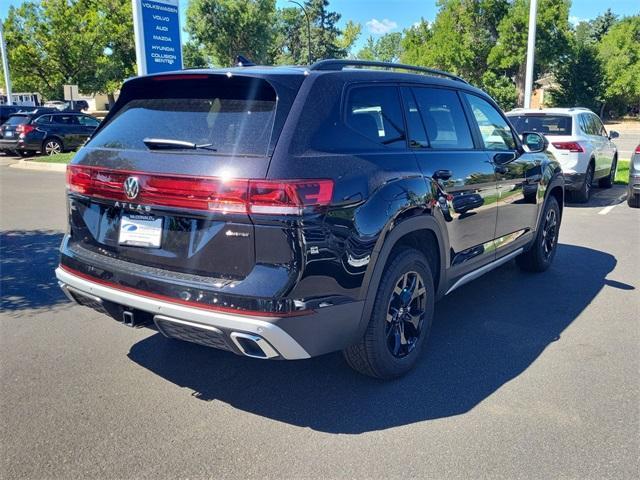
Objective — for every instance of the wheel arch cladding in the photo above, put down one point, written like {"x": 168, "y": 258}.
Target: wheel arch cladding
{"x": 421, "y": 233}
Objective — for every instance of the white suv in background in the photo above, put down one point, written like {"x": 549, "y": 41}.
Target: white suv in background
{"x": 578, "y": 140}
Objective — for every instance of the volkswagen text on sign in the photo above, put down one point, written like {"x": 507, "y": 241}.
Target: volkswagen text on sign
{"x": 157, "y": 32}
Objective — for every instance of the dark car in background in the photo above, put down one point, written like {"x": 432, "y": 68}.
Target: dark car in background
{"x": 289, "y": 212}
{"x": 46, "y": 131}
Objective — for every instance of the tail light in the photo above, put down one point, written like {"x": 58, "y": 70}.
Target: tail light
{"x": 24, "y": 129}
{"x": 638, "y": 149}
{"x": 571, "y": 146}
{"x": 269, "y": 197}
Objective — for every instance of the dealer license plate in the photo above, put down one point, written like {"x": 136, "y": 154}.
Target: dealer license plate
{"x": 140, "y": 231}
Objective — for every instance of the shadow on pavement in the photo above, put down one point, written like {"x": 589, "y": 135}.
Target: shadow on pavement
{"x": 600, "y": 197}
{"x": 27, "y": 261}
{"x": 484, "y": 335}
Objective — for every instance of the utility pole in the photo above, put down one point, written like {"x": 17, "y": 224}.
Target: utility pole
{"x": 531, "y": 52}
{"x": 5, "y": 66}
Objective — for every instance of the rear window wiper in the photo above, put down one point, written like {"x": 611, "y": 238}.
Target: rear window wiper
{"x": 170, "y": 144}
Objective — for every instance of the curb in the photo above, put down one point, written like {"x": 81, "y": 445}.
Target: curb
{"x": 42, "y": 166}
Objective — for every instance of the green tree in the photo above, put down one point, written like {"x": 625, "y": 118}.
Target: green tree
{"x": 227, "y": 28}
{"x": 508, "y": 56}
{"x": 414, "y": 42}
{"x": 387, "y": 48}
{"x": 619, "y": 52}
{"x": 579, "y": 79}
{"x": 84, "y": 42}
{"x": 459, "y": 39}
{"x": 194, "y": 55}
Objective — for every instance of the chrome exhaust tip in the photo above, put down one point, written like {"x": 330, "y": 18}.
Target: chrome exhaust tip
{"x": 253, "y": 346}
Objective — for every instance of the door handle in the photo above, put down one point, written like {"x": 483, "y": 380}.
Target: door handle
{"x": 442, "y": 174}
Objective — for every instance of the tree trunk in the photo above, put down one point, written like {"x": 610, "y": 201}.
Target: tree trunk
{"x": 520, "y": 83}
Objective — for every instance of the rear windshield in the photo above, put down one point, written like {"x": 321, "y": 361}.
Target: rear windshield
{"x": 17, "y": 120}
{"x": 547, "y": 124}
{"x": 232, "y": 118}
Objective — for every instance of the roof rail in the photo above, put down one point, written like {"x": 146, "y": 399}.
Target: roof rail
{"x": 341, "y": 64}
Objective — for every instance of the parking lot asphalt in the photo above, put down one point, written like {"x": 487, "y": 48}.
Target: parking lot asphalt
{"x": 526, "y": 376}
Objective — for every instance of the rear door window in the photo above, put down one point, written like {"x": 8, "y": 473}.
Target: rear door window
{"x": 231, "y": 115}
{"x": 559, "y": 125}
{"x": 443, "y": 118}
{"x": 375, "y": 113}
{"x": 17, "y": 120}
{"x": 494, "y": 129}
{"x": 88, "y": 121}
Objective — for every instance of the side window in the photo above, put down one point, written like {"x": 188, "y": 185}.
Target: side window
{"x": 443, "y": 118}
{"x": 88, "y": 121}
{"x": 44, "y": 120}
{"x": 599, "y": 126}
{"x": 496, "y": 133}
{"x": 417, "y": 133}
{"x": 375, "y": 113}
{"x": 59, "y": 119}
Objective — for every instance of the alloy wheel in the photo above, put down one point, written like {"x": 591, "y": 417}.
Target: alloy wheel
{"x": 52, "y": 148}
{"x": 405, "y": 314}
{"x": 549, "y": 232}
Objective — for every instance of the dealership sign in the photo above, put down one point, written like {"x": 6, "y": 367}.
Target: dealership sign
{"x": 157, "y": 31}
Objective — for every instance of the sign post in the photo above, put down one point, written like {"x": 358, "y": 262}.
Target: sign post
{"x": 156, "y": 25}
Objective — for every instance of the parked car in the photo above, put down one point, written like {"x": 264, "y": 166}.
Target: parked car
{"x": 633, "y": 193}
{"x": 289, "y": 212}
{"x": 579, "y": 142}
{"x": 57, "y": 104}
{"x": 6, "y": 111}
{"x": 49, "y": 133}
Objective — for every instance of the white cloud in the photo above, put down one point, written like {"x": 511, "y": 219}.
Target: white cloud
{"x": 573, "y": 20}
{"x": 380, "y": 27}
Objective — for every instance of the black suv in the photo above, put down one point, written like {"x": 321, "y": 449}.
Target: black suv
{"x": 46, "y": 131}
{"x": 290, "y": 212}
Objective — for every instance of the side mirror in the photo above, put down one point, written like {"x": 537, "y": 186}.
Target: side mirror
{"x": 613, "y": 134}
{"x": 535, "y": 142}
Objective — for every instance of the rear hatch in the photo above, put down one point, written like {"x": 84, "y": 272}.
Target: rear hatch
{"x": 139, "y": 195}
{"x": 10, "y": 130}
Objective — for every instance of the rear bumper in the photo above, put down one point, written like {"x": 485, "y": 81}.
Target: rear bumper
{"x": 573, "y": 181}
{"x": 322, "y": 331}
{"x": 8, "y": 144}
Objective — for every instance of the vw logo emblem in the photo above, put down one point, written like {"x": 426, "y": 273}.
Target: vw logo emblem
{"x": 131, "y": 187}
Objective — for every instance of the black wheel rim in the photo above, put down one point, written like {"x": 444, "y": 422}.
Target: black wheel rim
{"x": 405, "y": 314}
{"x": 549, "y": 232}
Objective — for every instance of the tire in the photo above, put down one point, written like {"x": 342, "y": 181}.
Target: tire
{"x": 584, "y": 194}
{"x": 52, "y": 146}
{"x": 380, "y": 353}
{"x": 607, "y": 182}
{"x": 633, "y": 201}
{"x": 541, "y": 254}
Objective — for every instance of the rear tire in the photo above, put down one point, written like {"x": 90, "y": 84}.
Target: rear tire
{"x": 52, "y": 146}
{"x": 607, "y": 182}
{"x": 584, "y": 194}
{"x": 540, "y": 256}
{"x": 633, "y": 201}
{"x": 402, "y": 312}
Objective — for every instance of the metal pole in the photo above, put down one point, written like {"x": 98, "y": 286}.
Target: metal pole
{"x": 138, "y": 35}
{"x": 5, "y": 66}
{"x": 308, "y": 30}
{"x": 531, "y": 51}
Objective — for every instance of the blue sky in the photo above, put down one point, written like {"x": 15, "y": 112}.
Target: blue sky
{"x": 381, "y": 16}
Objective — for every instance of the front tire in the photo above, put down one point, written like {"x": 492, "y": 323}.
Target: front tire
{"x": 541, "y": 254}
{"x": 400, "y": 320}
{"x": 607, "y": 182}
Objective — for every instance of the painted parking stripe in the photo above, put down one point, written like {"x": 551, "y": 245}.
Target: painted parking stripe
{"x": 607, "y": 209}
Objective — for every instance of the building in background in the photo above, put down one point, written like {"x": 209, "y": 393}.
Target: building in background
{"x": 22, "y": 99}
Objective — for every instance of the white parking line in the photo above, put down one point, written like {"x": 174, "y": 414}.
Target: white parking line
{"x": 607, "y": 209}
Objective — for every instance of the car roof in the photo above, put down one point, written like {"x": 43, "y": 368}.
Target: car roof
{"x": 543, "y": 111}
